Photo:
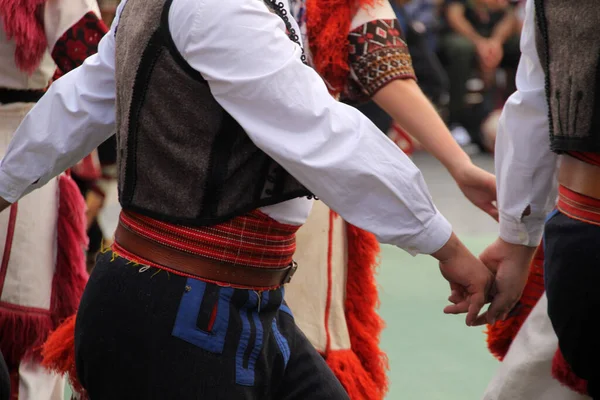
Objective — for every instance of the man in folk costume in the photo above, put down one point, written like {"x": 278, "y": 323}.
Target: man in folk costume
{"x": 550, "y": 334}
{"x": 358, "y": 49}
{"x": 42, "y": 237}
{"x": 218, "y": 120}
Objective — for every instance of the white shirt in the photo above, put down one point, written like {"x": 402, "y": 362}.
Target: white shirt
{"x": 255, "y": 73}
{"x": 58, "y": 17}
{"x": 525, "y": 166}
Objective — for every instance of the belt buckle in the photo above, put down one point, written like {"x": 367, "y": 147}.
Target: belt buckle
{"x": 290, "y": 272}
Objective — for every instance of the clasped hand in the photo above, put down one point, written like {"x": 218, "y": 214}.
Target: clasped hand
{"x": 498, "y": 278}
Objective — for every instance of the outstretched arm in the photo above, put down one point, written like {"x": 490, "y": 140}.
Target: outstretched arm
{"x": 72, "y": 119}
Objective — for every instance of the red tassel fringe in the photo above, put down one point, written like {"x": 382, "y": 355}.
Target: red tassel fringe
{"x": 21, "y": 23}
{"x": 357, "y": 381}
{"x": 71, "y": 275}
{"x": 502, "y": 333}
{"x": 363, "y": 372}
{"x": 328, "y": 25}
{"x": 562, "y": 372}
{"x": 22, "y": 331}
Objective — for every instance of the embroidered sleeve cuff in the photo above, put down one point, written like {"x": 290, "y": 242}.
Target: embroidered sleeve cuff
{"x": 528, "y": 233}
{"x": 431, "y": 239}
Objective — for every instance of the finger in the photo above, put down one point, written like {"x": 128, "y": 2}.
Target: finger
{"x": 500, "y": 306}
{"x": 456, "y": 297}
{"x": 459, "y": 308}
{"x": 481, "y": 320}
{"x": 477, "y": 301}
{"x": 491, "y": 210}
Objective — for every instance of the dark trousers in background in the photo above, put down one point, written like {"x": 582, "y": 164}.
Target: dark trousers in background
{"x": 459, "y": 57}
{"x": 143, "y": 333}
{"x": 4, "y": 380}
{"x": 572, "y": 273}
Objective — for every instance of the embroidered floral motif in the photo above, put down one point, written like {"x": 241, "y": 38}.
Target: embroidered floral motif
{"x": 78, "y": 43}
{"x": 377, "y": 55}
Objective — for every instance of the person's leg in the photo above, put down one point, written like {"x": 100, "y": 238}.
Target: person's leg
{"x": 146, "y": 333}
{"x": 572, "y": 275}
{"x": 525, "y": 372}
{"x": 458, "y": 53}
{"x": 307, "y": 375}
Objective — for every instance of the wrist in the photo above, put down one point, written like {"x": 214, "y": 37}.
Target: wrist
{"x": 448, "y": 250}
{"x": 458, "y": 164}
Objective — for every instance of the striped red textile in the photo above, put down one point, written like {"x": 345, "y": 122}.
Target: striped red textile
{"x": 253, "y": 239}
{"x": 590, "y": 158}
{"x": 578, "y": 206}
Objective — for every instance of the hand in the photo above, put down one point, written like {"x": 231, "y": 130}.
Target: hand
{"x": 478, "y": 186}
{"x": 470, "y": 281}
{"x": 496, "y": 52}
{"x": 490, "y": 53}
{"x": 510, "y": 263}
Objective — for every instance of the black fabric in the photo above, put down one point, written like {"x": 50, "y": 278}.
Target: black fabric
{"x": 8, "y": 96}
{"x": 4, "y": 380}
{"x": 572, "y": 274}
{"x": 130, "y": 344}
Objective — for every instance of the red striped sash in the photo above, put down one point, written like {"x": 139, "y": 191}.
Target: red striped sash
{"x": 253, "y": 239}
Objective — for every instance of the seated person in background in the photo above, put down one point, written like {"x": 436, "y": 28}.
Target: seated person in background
{"x": 479, "y": 34}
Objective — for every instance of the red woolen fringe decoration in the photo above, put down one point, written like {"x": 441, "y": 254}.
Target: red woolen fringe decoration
{"x": 59, "y": 353}
{"x": 21, "y": 331}
{"x": 502, "y": 333}
{"x": 21, "y": 24}
{"x": 357, "y": 381}
{"x": 71, "y": 275}
{"x": 328, "y": 24}
{"x": 364, "y": 324}
{"x": 562, "y": 372}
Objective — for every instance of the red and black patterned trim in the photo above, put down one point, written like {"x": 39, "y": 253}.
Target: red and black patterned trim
{"x": 78, "y": 43}
{"x": 378, "y": 55}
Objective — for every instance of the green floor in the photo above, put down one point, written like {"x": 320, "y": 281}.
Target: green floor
{"x": 432, "y": 356}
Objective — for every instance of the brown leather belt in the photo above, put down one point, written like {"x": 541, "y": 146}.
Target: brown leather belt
{"x": 579, "y": 176}
{"x": 201, "y": 267}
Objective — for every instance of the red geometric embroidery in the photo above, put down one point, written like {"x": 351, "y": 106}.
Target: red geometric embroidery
{"x": 377, "y": 55}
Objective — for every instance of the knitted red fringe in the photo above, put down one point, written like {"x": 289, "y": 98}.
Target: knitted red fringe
{"x": 363, "y": 374}
{"x": 21, "y": 331}
{"x": 562, "y": 372}
{"x": 59, "y": 353}
{"x": 502, "y": 333}
{"x": 352, "y": 374}
{"x": 71, "y": 275}
{"x": 328, "y": 25}
{"x": 21, "y": 23}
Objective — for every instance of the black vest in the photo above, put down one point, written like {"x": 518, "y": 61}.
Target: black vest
{"x": 182, "y": 158}
{"x": 568, "y": 45}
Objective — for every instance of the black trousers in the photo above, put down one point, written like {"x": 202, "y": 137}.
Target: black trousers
{"x": 143, "y": 333}
{"x": 572, "y": 273}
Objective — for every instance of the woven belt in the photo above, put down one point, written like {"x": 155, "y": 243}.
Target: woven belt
{"x": 8, "y": 96}
{"x": 201, "y": 267}
{"x": 579, "y": 176}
